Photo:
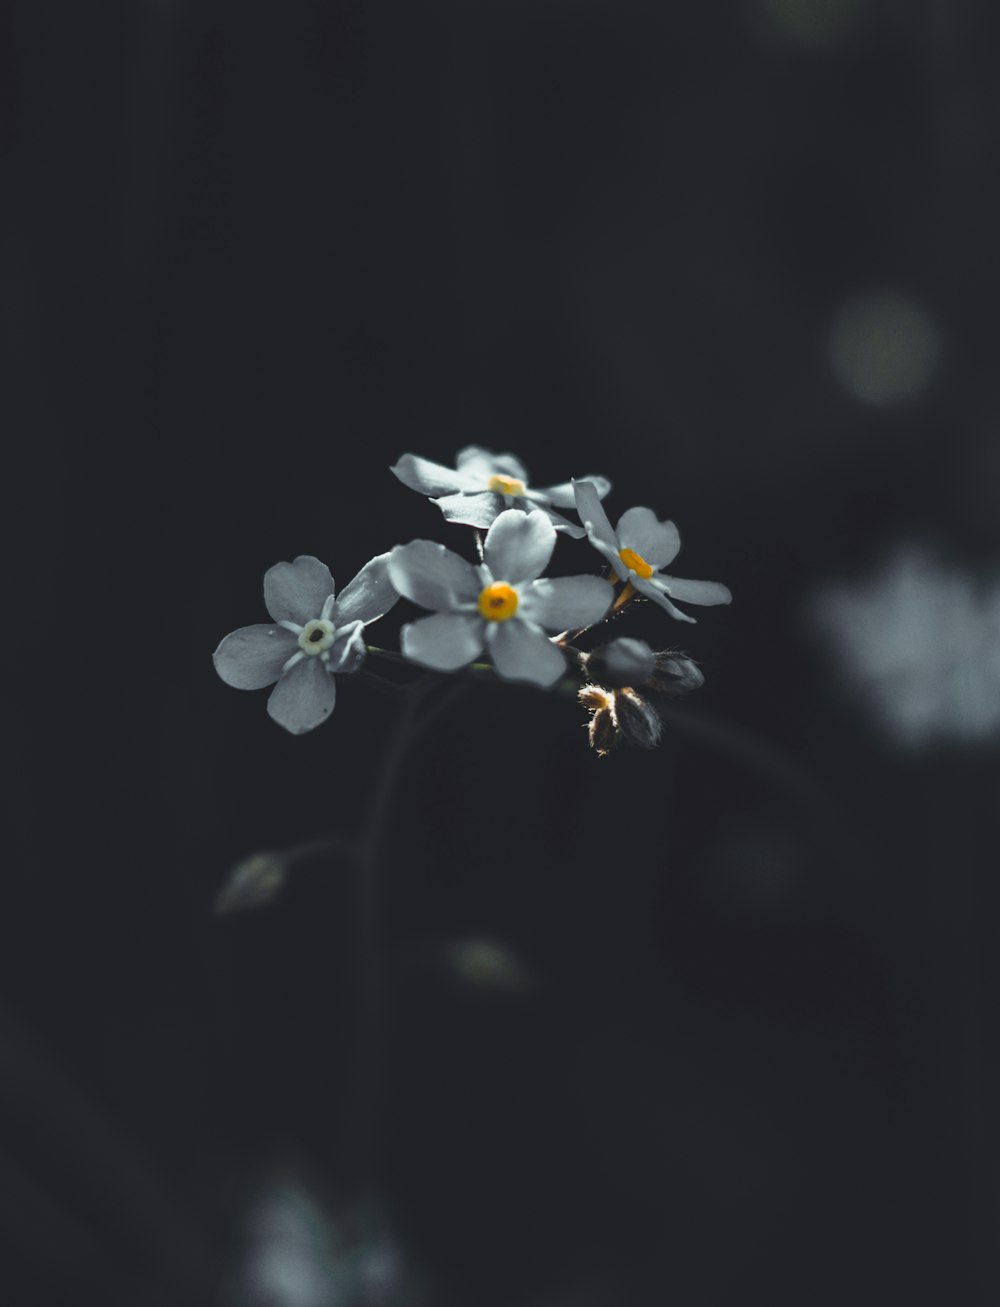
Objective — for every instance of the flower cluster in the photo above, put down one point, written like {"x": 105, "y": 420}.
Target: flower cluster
{"x": 501, "y": 607}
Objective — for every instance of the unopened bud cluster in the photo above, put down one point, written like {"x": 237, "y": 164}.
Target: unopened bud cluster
{"x": 626, "y": 661}
{"x": 618, "y": 712}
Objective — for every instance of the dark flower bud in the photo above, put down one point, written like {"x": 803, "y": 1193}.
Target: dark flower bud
{"x": 603, "y": 728}
{"x": 621, "y": 662}
{"x": 638, "y": 721}
{"x": 627, "y": 662}
{"x": 675, "y": 673}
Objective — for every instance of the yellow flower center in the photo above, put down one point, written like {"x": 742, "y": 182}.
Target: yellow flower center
{"x": 498, "y": 602}
{"x": 636, "y": 562}
{"x": 507, "y": 486}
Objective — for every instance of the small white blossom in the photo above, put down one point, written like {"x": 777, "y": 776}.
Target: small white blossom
{"x": 483, "y": 484}
{"x": 639, "y": 548}
{"x": 314, "y": 636}
{"x": 500, "y": 605}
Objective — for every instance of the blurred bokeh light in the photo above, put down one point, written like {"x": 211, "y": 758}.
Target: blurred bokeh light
{"x": 814, "y": 22}
{"x": 295, "y": 1254}
{"x": 884, "y": 348}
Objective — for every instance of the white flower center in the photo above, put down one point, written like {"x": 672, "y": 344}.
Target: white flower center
{"x": 316, "y": 636}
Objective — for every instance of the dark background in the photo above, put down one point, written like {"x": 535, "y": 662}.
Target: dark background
{"x": 744, "y": 1045}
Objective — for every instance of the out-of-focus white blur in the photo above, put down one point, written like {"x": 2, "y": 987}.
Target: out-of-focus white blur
{"x": 918, "y": 643}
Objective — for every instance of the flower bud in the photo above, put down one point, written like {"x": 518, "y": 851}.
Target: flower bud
{"x": 638, "y": 721}
{"x": 675, "y": 673}
{"x": 603, "y": 728}
{"x": 621, "y": 662}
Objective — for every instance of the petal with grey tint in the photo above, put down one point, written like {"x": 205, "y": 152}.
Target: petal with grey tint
{"x": 253, "y": 656}
{"x": 640, "y": 530}
{"x": 475, "y": 458}
{"x": 652, "y": 591}
{"x": 432, "y": 478}
{"x": 295, "y": 592}
{"x": 566, "y": 603}
{"x": 432, "y": 576}
{"x": 562, "y": 495}
{"x": 535, "y": 501}
{"x": 444, "y": 641}
{"x": 610, "y": 552}
{"x": 521, "y": 651}
{"x": 595, "y": 520}
{"x": 519, "y": 545}
{"x": 370, "y": 595}
{"x": 483, "y": 462}
{"x": 303, "y": 697}
{"x": 706, "y": 593}
{"x": 564, "y": 525}
{"x": 471, "y": 510}
{"x": 613, "y": 557}
{"x": 348, "y": 650}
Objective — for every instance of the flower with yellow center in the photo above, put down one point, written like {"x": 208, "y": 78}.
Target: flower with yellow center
{"x": 498, "y": 602}
{"x": 635, "y": 563}
{"x": 504, "y": 606}
{"x": 313, "y": 636}
{"x": 483, "y": 484}
{"x": 638, "y": 549}
{"x": 511, "y": 486}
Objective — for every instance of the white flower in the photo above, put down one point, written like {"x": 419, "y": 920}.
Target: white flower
{"x": 638, "y": 548}
{"x": 315, "y": 636}
{"x": 483, "y": 484}
{"x": 500, "y": 605}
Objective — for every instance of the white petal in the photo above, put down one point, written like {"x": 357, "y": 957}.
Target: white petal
{"x": 706, "y": 593}
{"x": 303, "y": 697}
{"x": 562, "y": 524}
{"x": 253, "y": 656}
{"x": 432, "y": 478}
{"x": 484, "y": 463}
{"x": 598, "y": 528}
{"x": 475, "y": 458}
{"x": 657, "y": 542}
{"x": 444, "y": 641}
{"x": 432, "y": 576}
{"x": 521, "y": 651}
{"x": 370, "y": 595}
{"x": 296, "y": 592}
{"x": 348, "y": 650}
{"x": 658, "y": 595}
{"x": 562, "y": 495}
{"x": 471, "y": 510}
{"x": 566, "y": 603}
{"x": 519, "y": 545}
